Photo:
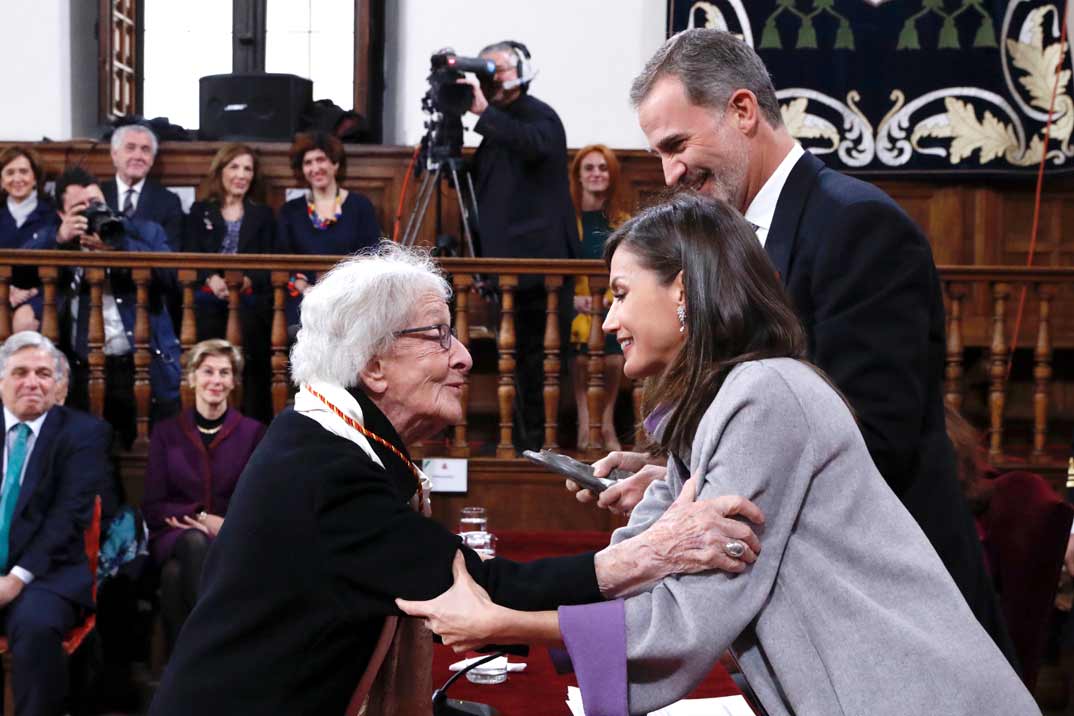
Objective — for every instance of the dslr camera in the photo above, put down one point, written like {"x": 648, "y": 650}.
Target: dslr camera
{"x": 105, "y": 223}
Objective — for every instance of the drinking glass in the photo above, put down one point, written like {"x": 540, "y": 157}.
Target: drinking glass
{"x": 473, "y": 519}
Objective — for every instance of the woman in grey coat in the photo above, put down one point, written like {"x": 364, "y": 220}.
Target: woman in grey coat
{"x": 847, "y": 609}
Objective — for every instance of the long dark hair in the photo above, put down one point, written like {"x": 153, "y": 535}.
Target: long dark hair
{"x": 736, "y": 307}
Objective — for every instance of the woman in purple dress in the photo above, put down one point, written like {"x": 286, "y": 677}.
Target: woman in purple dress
{"x": 195, "y": 460}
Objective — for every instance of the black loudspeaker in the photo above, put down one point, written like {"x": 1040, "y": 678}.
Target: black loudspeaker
{"x": 253, "y": 105}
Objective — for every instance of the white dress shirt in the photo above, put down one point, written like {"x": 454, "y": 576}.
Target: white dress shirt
{"x": 762, "y": 209}
{"x": 9, "y": 442}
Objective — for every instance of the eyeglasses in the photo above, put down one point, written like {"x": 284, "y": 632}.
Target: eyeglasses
{"x": 444, "y": 333}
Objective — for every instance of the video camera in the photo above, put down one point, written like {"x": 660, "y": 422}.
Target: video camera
{"x": 447, "y": 100}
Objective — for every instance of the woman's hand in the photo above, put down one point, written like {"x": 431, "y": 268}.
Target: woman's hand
{"x": 582, "y": 304}
{"x": 218, "y": 286}
{"x": 464, "y": 616}
{"x": 18, "y": 296}
{"x": 623, "y": 496}
{"x": 204, "y": 522}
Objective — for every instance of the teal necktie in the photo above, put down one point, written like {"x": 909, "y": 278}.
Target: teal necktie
{"x": 10, "y": 496}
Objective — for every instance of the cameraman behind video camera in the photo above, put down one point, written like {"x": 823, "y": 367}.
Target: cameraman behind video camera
{"x": 88, "y": 225}
{"x": 524, "y": 205}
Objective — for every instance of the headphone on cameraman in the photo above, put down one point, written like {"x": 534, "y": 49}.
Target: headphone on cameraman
{"x": 524, "y": 66}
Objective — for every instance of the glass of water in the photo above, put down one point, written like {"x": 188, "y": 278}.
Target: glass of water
{"x": 484, "y": 543}
{"x": 492, "y": 672}
{"x": 473, "y": 519}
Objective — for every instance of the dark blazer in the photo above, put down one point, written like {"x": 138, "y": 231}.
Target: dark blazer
{"x": 862, "y": 278}
{"x": 155, "y": 204}
{"x": 184, "y": 477}
{"x": 317, "y": 543}
{"x": 206, "y": 229}
{"x": 68, "y": 464}
{"x": 520, "y": 176}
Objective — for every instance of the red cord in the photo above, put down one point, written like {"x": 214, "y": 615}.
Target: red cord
{"x": 402, "y": 193}
{"x": 1040, "y": 188}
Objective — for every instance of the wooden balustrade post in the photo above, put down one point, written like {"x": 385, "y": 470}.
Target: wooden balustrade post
{"x": 188, "y": 332}
{"x": 998, "y": 358}
{"x": 95, "y": 355}
{"x": 279, "y": 340}
{"x": 462, "y": 284}
{"x": 233, "y": 279}
{"x": 142, "y": 357}
{"x": 505, "y": 343}
{"x": 953, "y": 370}
{"x": 552, "y": 341}
{"x": 1042, "y": 371}
{"x": 5, "y": 303}
{"x": 595, "y": 365}
{"x": 50, "y": 326}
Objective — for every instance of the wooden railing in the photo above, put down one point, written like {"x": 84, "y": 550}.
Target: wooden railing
{"x": 966, "y": 290}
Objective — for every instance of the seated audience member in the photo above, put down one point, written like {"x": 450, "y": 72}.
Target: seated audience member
{"x": 76, "y": 189}
{"x": 228, "y": 218}
{"x": 848, "y": 608}
{"x": 328, "y": 219}
{"x": 54, "y": 459}
{"x": 598, "y": 205}
{"x": 24, "y": 211}
{"x": 195, "y": 460}
{"x": 132, "y": 193}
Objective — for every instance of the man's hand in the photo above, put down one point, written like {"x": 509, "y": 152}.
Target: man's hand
{"x": 92, "y": 242}
{"x": 218, "y": 286}
{"x": 73, "y": 226}
{"x": 480, "y": 102}
{"x": 10, "y": 588}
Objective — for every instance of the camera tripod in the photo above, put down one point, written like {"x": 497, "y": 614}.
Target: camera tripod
{"x": 456, "y": 173}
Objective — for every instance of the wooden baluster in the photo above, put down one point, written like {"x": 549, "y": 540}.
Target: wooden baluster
{"x": 954, "y": 370}
{"x": 279, "y": 341}
{"x": 234, "y": 326}
{"x": 50, "y": 327}
{"x": 595, "y": 365}
{"x": 998, "y": 357}
{"x": 95, "y": 278}
{"x": 552, "y": 285}
{"x": 188, "y": 332}
{"x": 462, "y": 283}
{"x": 142, "y": 358}
{"x": 5, "y": 303}
{"x": 1042, "y": 371}
{"x": 506, "y": 344}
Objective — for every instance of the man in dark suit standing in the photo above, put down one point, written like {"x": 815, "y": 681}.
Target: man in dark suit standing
{"x": 524, "y": 206}
{"x": 859, "y": 271}
{"x": 133, "y": 193}
{"x": 54, "y": 459}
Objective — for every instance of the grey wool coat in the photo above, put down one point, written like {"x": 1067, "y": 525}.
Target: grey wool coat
{"x": 847, "y": 610}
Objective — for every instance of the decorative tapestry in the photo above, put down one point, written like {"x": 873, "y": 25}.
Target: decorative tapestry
{"x": 920, "y": 86}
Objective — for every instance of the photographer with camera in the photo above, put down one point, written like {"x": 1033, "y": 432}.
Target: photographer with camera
{"x": 87, "y": 224}
{"x": 524, "y": 204}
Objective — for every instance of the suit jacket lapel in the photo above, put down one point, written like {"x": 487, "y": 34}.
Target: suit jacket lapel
{"x": 792, "y": 200}
{"x": 111, "y": 191}
{"x": 246, "y": 230}
{"x": 145, "y": 201}
{"x": 39, "y": 457}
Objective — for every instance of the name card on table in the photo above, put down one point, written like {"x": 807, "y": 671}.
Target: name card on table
{"x": 447, "y": 473}
{"x": 721, "y": 706}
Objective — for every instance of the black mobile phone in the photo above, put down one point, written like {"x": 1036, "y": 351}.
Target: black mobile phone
{"x": 578, "y": 472}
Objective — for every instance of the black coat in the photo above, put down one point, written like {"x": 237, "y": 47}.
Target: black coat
{"x": 520, "y": 176}
{"x": 206, "y": 229}
{"x": 154, "y": 204}
{"x": 318, "y": 542}
{"x": 862, "y": 279}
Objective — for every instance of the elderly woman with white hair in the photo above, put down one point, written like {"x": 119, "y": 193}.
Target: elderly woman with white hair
{"x": 329, "y": 522}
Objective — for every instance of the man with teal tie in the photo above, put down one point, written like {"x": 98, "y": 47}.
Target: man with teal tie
{"x": 53, "y": 461}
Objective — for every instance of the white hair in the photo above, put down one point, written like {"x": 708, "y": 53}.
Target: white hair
{"x": 29, "y": 339}
{"x": 120, "y": 135}
{"x": 354, "y": 311}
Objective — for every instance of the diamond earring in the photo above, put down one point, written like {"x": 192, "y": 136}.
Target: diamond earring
{"x": 681, "y": 313}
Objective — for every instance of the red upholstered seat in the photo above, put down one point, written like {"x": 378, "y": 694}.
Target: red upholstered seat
{"x": 1026, "y": 531}
{"x": 76, "y": 636}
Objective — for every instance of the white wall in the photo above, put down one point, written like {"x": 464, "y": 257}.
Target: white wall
{"x": 37, "y": 95}
{"x": 586, "y": 51}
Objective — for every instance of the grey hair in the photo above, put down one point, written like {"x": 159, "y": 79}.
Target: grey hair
{"x": 503, "y": 46}
{"x": 711, "y": 64}
{"x": 63, "y": 367}
{"x": 354, "y": 311}
{"x": 119, "y": 136}
{"x": 27, "y": 339}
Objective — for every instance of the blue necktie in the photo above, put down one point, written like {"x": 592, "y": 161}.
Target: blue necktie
{"x": 10, "y": 496}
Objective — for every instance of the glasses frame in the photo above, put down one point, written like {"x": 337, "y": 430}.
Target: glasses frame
{"x": 444, "y": 333}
